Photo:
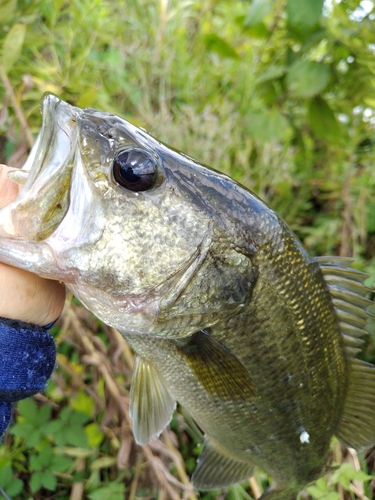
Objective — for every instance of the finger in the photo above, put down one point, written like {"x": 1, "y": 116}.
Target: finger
{"x": 27, "y": 297}
{"x": 8, "y": 189}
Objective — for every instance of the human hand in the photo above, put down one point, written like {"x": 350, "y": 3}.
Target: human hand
{"x": 25, "y": 296}
{"x": 27, "y": 351}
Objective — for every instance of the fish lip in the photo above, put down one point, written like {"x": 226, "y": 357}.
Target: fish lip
{"x": 47, "y": 105}
{"x": 55, "y": 126}
{"x": 31, "y": 215}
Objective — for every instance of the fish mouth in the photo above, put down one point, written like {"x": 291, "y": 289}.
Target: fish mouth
{"x": 45, "y": 197}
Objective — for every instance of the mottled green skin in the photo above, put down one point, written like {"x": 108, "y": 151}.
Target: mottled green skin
{"x": 198, "y": 251}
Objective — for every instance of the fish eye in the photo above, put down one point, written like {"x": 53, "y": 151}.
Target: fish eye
{"x": 134, "y": 169}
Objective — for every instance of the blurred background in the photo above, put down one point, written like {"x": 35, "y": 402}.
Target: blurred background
{"x": 280, "y": 95}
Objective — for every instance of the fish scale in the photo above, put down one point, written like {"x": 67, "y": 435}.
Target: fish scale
{"x": 227, "y": 312}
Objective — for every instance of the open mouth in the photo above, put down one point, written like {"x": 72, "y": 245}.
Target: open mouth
{"x": 55, "y": 142}
{"x": 44, "y": 199}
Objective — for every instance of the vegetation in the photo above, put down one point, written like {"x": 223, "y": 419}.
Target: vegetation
{"x": 279, "y": 94}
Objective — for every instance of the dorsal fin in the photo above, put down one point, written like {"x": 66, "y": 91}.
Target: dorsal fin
{"x": 151, "y": 405}
{"x": 348, "y": 292}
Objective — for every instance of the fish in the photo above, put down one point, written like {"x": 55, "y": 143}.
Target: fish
{"x": 226, "y": 311}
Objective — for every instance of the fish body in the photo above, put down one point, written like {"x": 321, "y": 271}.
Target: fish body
{"x": 228, "y": 313}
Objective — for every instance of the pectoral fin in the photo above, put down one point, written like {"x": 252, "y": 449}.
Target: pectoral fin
{"x": 216, "y": 367}
{"x": 216, "y": 468}
{"x": 151, "y": 405}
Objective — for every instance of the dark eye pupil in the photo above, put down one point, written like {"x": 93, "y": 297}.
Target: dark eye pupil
{"x": 134, "y": 169}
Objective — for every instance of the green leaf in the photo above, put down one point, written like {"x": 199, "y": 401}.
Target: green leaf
{"x": 76, "y": 436}
{"x": 43, "y": 415}
{"x": 45, "y": 456}
{"x": 84, "y": 403}
{"x": 87, "y": 99}
{"x": 103, "y": 462}
{"x": 36, "y": 481}
{"x": 9, "y": 484}
{"x": 323, "y": 122}
{"x": 78, "y": 418}
{"x": 77, "y": 452}
{"x": 346, "y": 473}
{"x": 54, "y": 426}
{"x": 7, "y": 11}
{"x": 49, "y": 480}
{"x": 268, "y": 125}
{"x": 272, "y": 73}
{"x": 28, "y": 432}
{"x": 28, "y": 409}
{"x": 12, "y": 47}
{"x": 321, "y": 490}
{"x": 35, "y": 462}
{"x": 216, "y": 44}
{"x": 61, "y": 463}
{"x": 307, "y": 78}
{"x": 304, "y": 15}
{"x": 114, "y": 491}
{"x": 258, "y": 11}
{"x": 94, "y": 435}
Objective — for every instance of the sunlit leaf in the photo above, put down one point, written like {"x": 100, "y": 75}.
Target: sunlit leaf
{"x": 323, "y": 122}
{"x": 272, "y": 73}
{"x": 84, "y": 403}
{"x": 7, "y": 10}
{"x": 114, "y": 491}
{"x": 217, "y": 44}
{"x": 103, "y": 462}
{"x": 75, "y": 452}
{"x": 346, "y": 473}
{"x": 258, "y": 11}
{"x": 87, "y": 98}
{"x": 307, "y": 78}
{"x": 12, "y": 46}
{"x": 370, "y": 101}
{"x": 94, "y": 435}
{"x": 268, "y": 125}
{"x": 304, "y": 15}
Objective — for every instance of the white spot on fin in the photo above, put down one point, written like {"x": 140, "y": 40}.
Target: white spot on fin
{"x": 304, "y": 437}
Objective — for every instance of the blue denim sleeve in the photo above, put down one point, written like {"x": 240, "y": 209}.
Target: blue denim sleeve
{"x": 27, "y": 359}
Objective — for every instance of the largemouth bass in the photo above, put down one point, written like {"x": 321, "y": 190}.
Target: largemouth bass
{"x": 227, "y": 312}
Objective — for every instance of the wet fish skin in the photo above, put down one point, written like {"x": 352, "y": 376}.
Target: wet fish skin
{"x": 228, "y": 313}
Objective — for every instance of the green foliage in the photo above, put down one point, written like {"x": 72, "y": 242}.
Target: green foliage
{"x": 12, "y": 46}
{"x": 304, "y": 16}
{"x": 279, "y": 94}
{"x": 114, "y": 491}
{"x": 44, "y": 466}
{"x": 8, "y": 483}
{"x": 344, "y": 475}
{"x": 32, "y": 422}
{"x": 307, "y": 78}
